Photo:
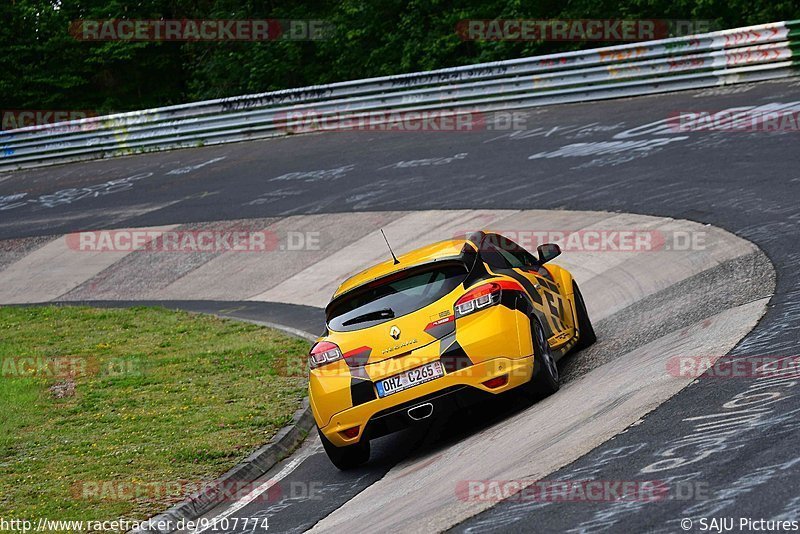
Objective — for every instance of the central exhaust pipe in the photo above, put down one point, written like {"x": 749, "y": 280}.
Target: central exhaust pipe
{"x": 423, "y": 411}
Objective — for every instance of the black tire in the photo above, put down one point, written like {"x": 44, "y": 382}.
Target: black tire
{"x": 586, "y": 335}
{"x": 349, "y": 457}
{"x": 545, "y": 371}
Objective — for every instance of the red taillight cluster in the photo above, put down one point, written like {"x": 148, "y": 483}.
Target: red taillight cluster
{"x": 323, "y": 353}
{"x": 476, "y": 299}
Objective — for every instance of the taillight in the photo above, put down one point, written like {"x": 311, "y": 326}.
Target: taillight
{"x": 476, "y": 299}
{"x": 323, "y": 353}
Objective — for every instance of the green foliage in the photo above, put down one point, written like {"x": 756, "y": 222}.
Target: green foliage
{"x": 45, "y": 68}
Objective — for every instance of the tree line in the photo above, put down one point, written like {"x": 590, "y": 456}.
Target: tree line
{"x": 44, "y": 66}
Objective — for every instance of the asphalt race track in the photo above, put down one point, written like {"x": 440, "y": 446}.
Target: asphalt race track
{"x": 735, "y": 439}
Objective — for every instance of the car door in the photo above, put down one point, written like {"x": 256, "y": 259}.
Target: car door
{"x": 526, "y": 264}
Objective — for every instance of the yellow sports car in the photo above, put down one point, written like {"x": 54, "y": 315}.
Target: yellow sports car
{"x": 435, "y": 330}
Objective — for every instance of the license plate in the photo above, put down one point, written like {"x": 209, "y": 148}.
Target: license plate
{"x": 409, "y": 379}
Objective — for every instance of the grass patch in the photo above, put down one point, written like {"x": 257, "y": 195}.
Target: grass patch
{"x": 132, "y": 399}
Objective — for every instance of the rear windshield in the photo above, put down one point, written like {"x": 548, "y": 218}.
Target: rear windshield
{"x": 394, "y": 295}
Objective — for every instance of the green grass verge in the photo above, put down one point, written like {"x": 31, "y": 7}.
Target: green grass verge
{"x": 101, "y": 408}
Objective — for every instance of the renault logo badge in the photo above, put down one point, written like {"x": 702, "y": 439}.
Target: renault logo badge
{"x": 394, "y": 332}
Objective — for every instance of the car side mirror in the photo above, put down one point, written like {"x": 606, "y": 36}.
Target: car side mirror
{"x": 547, "y": 252}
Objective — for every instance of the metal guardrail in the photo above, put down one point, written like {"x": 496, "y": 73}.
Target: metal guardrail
{"x": 755, "y": 53}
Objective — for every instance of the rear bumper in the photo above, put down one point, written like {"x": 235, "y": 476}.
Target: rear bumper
{"x": 452, "y": 391}
{"x": 440, "y": 403}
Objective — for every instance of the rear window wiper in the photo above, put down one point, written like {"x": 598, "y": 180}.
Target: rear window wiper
{"x": 386, "y": 313}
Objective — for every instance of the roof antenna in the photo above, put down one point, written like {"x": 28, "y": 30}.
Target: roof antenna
{"x": 396, "y": 261}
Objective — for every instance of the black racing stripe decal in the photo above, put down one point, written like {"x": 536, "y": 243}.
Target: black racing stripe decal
{"x": 478, "y": 274}
{"x": 550, "y": 285}
{"x": 356, "y": 360}
{"x": 453, "y": 357}
{"x": 509, "y": 299}
{"x": 516, "y": 300}
{"x": 446, "y": 342}
{"x": 532, "y": 293}
{"x": 525, "y": 305}
{"x": 361, "y": 389}
{"x": 552, "y": 305}
{"x": 554, "y": 311}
